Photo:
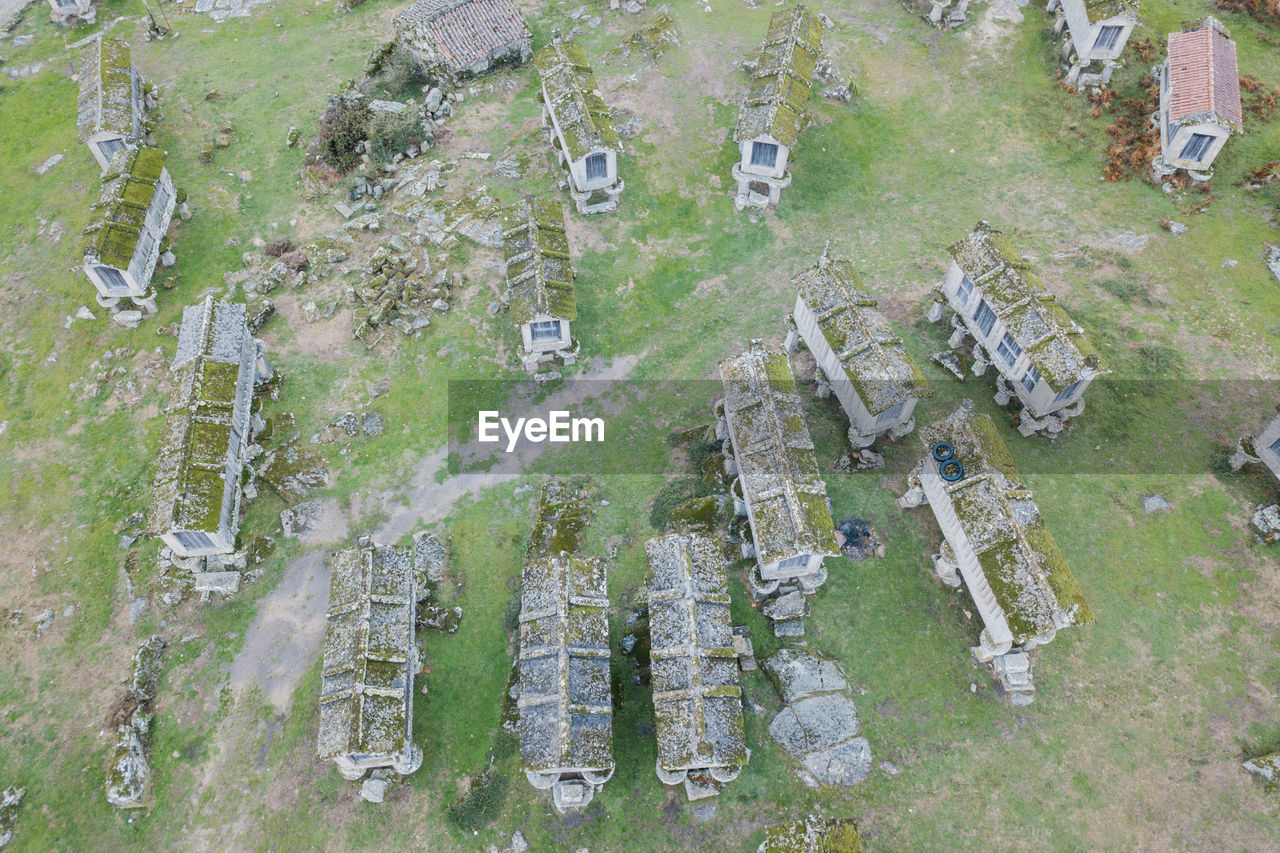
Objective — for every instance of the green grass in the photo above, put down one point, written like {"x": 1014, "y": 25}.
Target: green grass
{"x": 1141, "y": 718}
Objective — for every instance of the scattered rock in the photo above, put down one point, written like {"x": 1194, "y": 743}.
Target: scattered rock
{"x": 44, "y": 619}
{"x": 518, "y": 843}
{"x": 1130, "y": 240}
{"x": 374, "y": 790}
{"x": 48, "y": 164}
{"x": 128, "y": 319}
{"x": 1229, "y": 262}
{"x": 890, "y": 768}
{"x": 430, "y": 558}
{"x": 292, "y": 138}
{"x": 1177, "y": 228}
{"x": 10, "y": 803}
{"x": 301, "y": 518}
{"x": 819, "y": 724}
{"x": 1156, "y": 503}
{"x": 83, "y": 313}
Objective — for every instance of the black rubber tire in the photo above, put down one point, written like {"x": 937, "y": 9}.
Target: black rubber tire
{"x": 942, "y": 451}
{"x": 956, "y": 470}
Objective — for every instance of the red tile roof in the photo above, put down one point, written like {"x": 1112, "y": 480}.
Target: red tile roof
{"x": 1203, "y": 76}
{"x": 464, "y": 31}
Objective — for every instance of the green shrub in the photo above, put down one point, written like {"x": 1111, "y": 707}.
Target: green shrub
{"x": 343, "y": 126}
{"x": 392, "y": 133}
{"x": 480, "y": 805}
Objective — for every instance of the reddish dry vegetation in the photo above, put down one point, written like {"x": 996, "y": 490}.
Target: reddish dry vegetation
{"x": 1135, "y": 141}
{"x": 1259, "y": 101}
{"x": 1264, "y": 11}
{"x": 1268, "y": 173}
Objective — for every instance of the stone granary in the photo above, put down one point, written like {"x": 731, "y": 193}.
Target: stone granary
{"x": 776, "y": 482}
{"x": 1199, "y": 99}
{"x": 370, "y": 657}
{"x": 775, "y": 110}
{"x": 1264, "y": 448}
{"x": 1097, "y": 31}
{"x": 539, "y": 282}
{"x": 859, "y": 353}
{"x": 69, "y": 12}
{"x": 126, "y": 235}
{"x": 997, "y": 543}
{"x": 111, "y": 100}
{"x": 454, "y": 40}
{"x": 195, "y": 504}
{"x": 1041, "y": 356}
{"x": 697, "y": 698}
{"x": 580, "y": 126}
{"x": 565, "y": 694}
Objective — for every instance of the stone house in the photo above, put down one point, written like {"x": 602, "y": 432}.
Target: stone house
{"x": 1041, "y": 356}
{"x": 126, "y": 234}
{"x": 539, "y": 282}
{"x": 566, "y": 702}
{"x": 580, "y": 126}
{"x": 69, "y": 12}
{"x": 858, "y": 351}
{"x": 370, "y": 657}
{"x": 774, "y": 110}
{"x": 454, "y": 40}
{"x": 697, "y": 697}
{"x": 195, "y": 504}
{"x": 1097, "y": 31}
{"x": 110, "y": 105}
{"x": 776, "y": 481}
{"x": 996, "y": 542}
{"x": 1200, "y": 105}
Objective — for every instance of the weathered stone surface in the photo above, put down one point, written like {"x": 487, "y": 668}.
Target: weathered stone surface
{"x": 301, "y": 518}
{"x": 224, "y": 583}
{"x": 797, "y": 674}
{"x": 793, "y": 605}
{"x": 1156, "y": 503}
{"x": 1273, "y": 261}
{"x": 430, "y": 559}
{"x": 146, "y": 669}
{"x": 10, "y": 802}
{"x": 821, "y": 732}
{"x": 128, "y": 780}
{"x": 813, "y": 835}
{"x": 128, "y": 319}
{"x": 1266, "y": 766}
{"x": 43, "y": 620}
{"x": 374, "y": 790}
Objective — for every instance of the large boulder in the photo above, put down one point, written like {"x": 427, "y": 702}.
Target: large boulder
{"x": 129, "y": 779}
{"x": 819, "y": 724}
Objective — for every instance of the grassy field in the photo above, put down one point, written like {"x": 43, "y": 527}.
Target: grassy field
{"x": 1141, "y": 720}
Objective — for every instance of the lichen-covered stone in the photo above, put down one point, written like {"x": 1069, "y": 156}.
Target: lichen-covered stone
{"x": 813, "y": 835}
{"x": 10, "y": 803}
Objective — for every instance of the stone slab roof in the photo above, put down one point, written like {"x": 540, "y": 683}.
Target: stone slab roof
{"x": 874, "y": 359}
{"x": 539, "y": 273}
{"x": 781, "y": 77}
{"x": 212, "y": 373}
{"x": 1055, "y": 345}
{"x": 697, "y": 698}
{"x": 1204, "y": 80}
{"x": 570, "y": 88}
{"x": 1019, "y": 557}
{"x": 461, "y": 32}
{"x": 110, "y": 90}
{"x": 366, "y": 687}
{"x": 566, "y": 705}
{"x": 117, "y": 218}
{"x": 776, "y": 464}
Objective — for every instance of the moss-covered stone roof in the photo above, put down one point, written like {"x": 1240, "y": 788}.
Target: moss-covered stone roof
{"x": 697, "y": 698}
{"x": 1019, "y": 557}
{"x": 874, "y": 359}
{"x": 539, "y": 273}
{"x": 1055, "y": 345}
{"x": 776, "y": 464}
{"x": 1101, "y": 10}
{"x": 570, "y": 89}
{"x": 813, "y": 835}
{"x": 110, "y": 91}
{"x": 781, "y": 78}
{"x": 117, "y": 218}
{"x": 566, "y": 705}
{"x": 366, "y": 685}
{"x": 207, "y": 422}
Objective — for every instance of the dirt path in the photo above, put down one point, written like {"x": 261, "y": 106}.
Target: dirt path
{"x": 285, "y": 635}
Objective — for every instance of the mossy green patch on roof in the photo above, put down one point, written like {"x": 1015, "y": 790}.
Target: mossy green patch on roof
{"x": 1053, "y": 342}
{"x": 117, "y": 218}
{"x": 539, "y": 273}
{"x": 1001, "y": 523}
{"x": 110, "y": 92}
{"x": 574, "y": 98}
{"x": 813, "y": 835}
{"x": 777, "y": 469}
{"x": 872, "y": 354}
{"x": 781, "y": 77}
